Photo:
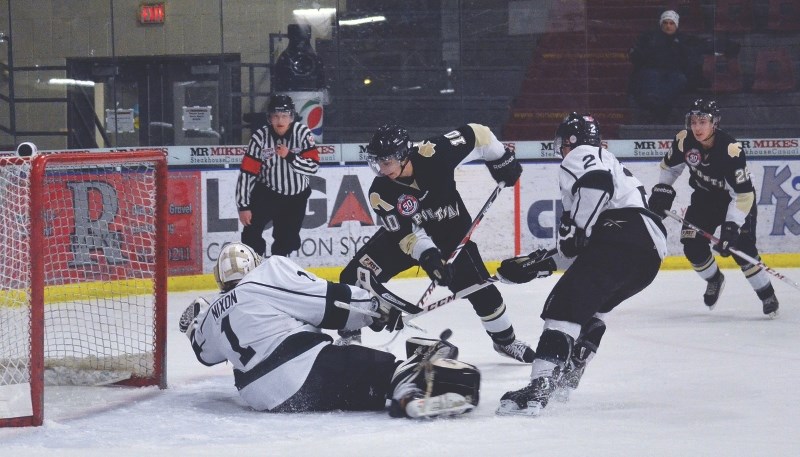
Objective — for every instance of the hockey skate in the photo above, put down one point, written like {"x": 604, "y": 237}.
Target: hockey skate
{"x": 714, "y": 289}
{"x": 570, "y": 379}
{"x": 517, "y": 350}
{"x": 528, "y": 401}
{"x": 771, "y": 306}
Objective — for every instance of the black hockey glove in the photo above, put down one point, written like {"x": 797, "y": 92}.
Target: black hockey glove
{"x": 571, "y": 239}
{"x": 525, "y": 268}
{"x": 661, "y": 198}
{"x": 432, "y": 262}
{"x": 390, "y": 317}
{"x": 728, "y": 235}
{"x": 506, "y": 169}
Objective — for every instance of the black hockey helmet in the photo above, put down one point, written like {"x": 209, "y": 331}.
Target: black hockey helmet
{"x": 280, "y": 103}
{"x": 702, "y": 107}
{"x": 390, "y": 142}
{"x": 575, "y": 130}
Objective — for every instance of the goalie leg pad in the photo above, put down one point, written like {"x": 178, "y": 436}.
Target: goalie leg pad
{"x": 443, "y": 387}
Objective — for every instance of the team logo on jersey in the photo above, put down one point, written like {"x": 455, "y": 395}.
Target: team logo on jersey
{"x": 267, "y": 153}
{"x": 693, "y": 157}
{"x": 407, "y": 205}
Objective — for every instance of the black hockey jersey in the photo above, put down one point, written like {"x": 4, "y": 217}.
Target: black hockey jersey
{"x": 721, "y": 170}
{"x": 428, "y": 206}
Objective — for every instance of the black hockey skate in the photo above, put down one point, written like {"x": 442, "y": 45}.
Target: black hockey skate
{"x": 530, "y": 400}
{"x": 714, "y": 289}
{"x": 517, "y": 350}
{"x": 569, "y": 380}
{"x": 769, "y": 301}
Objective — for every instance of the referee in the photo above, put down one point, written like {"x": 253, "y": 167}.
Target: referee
{"x": 273, "y": 179}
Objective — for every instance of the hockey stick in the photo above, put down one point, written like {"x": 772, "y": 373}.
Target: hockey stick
{"x": 415, "y": 312}
{"x": 466, "y": 238}
{"x": 734, "y": 251}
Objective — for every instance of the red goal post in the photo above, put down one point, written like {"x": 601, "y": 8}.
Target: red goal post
{"x": 83, "y": 275}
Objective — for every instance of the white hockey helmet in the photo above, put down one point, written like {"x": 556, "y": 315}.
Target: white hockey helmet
{"x": 234, "y": 262}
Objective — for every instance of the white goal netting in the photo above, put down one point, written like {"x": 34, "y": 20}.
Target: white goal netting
{"x": 96, "y": 260}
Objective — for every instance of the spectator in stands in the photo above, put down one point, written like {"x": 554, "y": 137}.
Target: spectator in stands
{"x": 666, "y": 63}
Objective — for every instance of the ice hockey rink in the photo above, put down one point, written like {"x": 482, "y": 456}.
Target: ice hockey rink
{"x": 671, "y": 378}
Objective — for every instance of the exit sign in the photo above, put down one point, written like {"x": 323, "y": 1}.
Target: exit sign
{"x": 151, "y": 13}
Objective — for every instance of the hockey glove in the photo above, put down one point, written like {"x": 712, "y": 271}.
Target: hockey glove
{"x": 189, "y": 316}
{"x": 661, "y": 198}
{"x": 390, "y": 317}
{"x": 571, "y": 239}
{"x": 432, "y": 262}
{"x": 525, "y": 268}
{"x": 728, "y": 235}
{"x": 506, "y": 169}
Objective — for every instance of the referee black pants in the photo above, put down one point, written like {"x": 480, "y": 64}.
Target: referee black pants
{"x": 286, "y": 212}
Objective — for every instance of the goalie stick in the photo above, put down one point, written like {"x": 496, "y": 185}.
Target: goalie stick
{"x": 466, "y": 238}
{"x": 734, "y": 251}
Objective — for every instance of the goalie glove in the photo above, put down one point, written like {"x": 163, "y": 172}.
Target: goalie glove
{"x": 388, "y": 305}
{"x": 389, "y": 318}
{"x": 189, "y": 316}
{"x": 525, "y": 268}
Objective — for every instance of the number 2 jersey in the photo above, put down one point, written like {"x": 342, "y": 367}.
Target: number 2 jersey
{"x": 426, "y": 210}
{"x": 269, "y": 328}
{"x": 604, "y": 198}
{"x": 719, "y": 171}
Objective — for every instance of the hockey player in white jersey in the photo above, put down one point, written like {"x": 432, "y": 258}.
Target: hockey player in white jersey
{"x": 268, "y": 322}
{"x": 618, "y": 246}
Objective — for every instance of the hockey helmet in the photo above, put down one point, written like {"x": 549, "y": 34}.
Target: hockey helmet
{"x": 234, "y": 262}
{"x": 575, "y": 130}
{"x": 390, "y": 142}
{"x": 703, "y": 108}
{"x": 281, "y": 104}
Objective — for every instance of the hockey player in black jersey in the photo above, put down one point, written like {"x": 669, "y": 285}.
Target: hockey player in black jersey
{"x": 723, "y": 196}
{"x": 267, "y": 323}
{"x": 618, "y": 247}
{"x": 424, "y": 218}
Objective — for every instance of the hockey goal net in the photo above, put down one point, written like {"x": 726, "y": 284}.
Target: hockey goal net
{"x": 82, "y": 275}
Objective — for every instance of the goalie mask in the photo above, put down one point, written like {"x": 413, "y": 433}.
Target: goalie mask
{"x": 575, "y": 130}
{"x": 703, "y": 108}
{"x": 234, "y": 262}
{"x": 390, "y": 144}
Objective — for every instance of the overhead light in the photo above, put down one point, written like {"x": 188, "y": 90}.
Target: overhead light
{"x": 70, "y": 82}
{"x": 314, "y": 12}
{"x": 362, "y": 20}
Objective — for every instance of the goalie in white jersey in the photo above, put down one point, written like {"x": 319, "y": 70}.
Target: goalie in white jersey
{"x": 618, "y": 245}
{"x": 268, "y": 324}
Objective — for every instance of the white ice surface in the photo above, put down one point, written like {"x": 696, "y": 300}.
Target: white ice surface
{"x": 671, "y": 379}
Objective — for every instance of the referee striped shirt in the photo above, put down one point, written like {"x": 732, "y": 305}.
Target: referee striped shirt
{"x": 286, "y": 176}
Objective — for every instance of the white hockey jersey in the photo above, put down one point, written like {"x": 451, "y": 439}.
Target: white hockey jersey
{"x": 269, "y": 328}
{"x": 581, "y": 170}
